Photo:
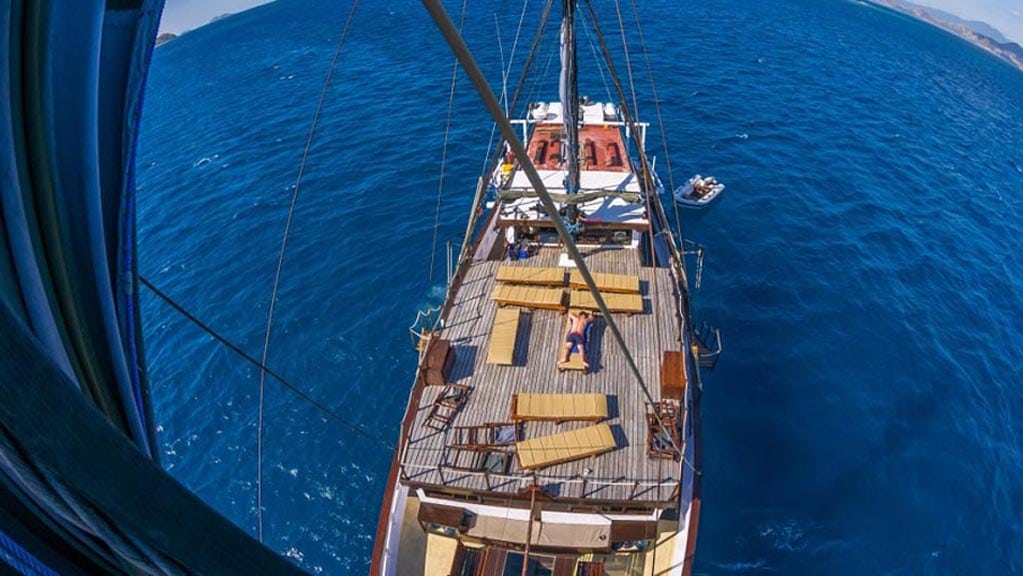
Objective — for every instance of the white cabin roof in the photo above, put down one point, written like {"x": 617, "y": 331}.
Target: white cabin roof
{"x": 589, "y": 181}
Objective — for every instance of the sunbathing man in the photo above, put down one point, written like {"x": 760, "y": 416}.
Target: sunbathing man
{"x": 577, "y": 336}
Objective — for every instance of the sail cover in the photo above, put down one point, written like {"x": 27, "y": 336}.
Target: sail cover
{"x": 80, "y": 488}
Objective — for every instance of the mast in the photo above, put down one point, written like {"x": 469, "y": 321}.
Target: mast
{"x": 569, "y": 94}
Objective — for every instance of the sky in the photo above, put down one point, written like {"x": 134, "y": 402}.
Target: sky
{"x": 1005, "y": 15}
{"x": 182, "y": 15}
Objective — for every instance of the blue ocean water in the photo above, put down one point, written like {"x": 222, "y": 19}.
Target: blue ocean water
{"x": 864, "y": 266}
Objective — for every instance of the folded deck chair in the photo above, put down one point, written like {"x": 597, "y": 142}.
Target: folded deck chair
{"x": 664, "y": 426}
{"x": 491, "y": 436}
{"x": 620, "y": 283}
{"x": 627, "y": 303}
{"x": 559, "y": 407}
{"x": 530, "y": 275}
{"x": 529, "y": 297}
{"x": 502, "y": 336}
{"x": 564, "y": 447}
{"x": 575, "y": 357}
{"x": 446, "y": 405}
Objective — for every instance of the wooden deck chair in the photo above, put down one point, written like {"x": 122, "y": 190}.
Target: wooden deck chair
{"x": 614, "y": 283}
{"x": 559, "y": 408}
{"x": 502, "y": 336}
{"x": 446, "y": 405}
{"x": 627, "y": 303}
{"x": 575, "y": 357}
{"x": 531, "y": 275}
{"x": 564, "y": 447}
{"x": 662, "y": 441}
{"x": 490, "y": 436}
{"x": 529, "y": 297}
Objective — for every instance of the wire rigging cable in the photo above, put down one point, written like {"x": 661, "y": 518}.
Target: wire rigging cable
{"x": 493, "y": 105}
{"x": 327, "y": 412}
{"x": 444, "y": 154}
{"x": 597, "y": 59}
{"x": 660, "y": 119}
{"x": 505, "y": 73}
{"x": 280, "y": 265}
{"x": 487, "y": 166}
{"x": 628, "y": 59}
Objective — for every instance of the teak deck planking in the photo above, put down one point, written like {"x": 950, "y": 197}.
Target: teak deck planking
{"x": 540, "y": 334}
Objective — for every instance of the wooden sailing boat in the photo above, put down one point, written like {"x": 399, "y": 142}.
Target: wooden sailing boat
{"x": 513, "y": 459}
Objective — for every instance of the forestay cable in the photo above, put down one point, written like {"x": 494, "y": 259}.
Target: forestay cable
{"x": 280, "y": 266}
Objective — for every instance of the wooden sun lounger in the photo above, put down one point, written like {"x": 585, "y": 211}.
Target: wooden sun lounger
{"x": 627, "y": 303}
{"x": 529, "y": 297}
{"x": 502, "y": 336}
{"x": 617, "y": 283}
{"x": 531, "y": 275}
{"x": 559, "y": 407}
{"x": 564, "y": 447}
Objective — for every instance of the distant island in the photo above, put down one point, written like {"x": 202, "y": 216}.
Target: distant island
{"x": 978, "y": 33}
{"x": 165, "y": 38}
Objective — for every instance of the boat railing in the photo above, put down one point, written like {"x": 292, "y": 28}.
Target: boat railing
{"x": 495, "y": 481}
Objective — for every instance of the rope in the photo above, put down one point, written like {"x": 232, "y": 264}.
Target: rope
{"x": 505, "y": 72}
{"x": 597, "y": 59}
{"x": 628, "y": 60}
{"x": 444, "y": 155}
{"x": 660, "y": 120}
{"x": 648, "y": 178}
{"x": 489, "y": 167}
{"x": 454, "y": 39}
{"x": 280, "y": 266}
{"x": 515, "y": 45}
{"x": 324, "y": 410}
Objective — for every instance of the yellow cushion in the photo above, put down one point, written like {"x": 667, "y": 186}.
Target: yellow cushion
{"x": 502, "y": 336}
{"x": 564, "y": 447}
{"x": 559, "y": 407}
{"x": 621, "y": 283}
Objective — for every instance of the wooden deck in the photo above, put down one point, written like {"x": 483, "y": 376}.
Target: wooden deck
{"x": 611, "y": 476}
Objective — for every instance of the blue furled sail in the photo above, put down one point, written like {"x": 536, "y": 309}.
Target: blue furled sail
{"x": 67, "y": 181}
{"x": 80, "y": 486}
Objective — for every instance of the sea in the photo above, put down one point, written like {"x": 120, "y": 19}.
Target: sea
{"x": 863, "y": 265}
